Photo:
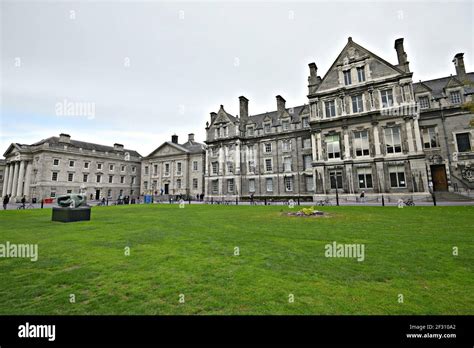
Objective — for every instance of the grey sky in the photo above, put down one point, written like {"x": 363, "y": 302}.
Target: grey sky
{"x": 188, "y": 58}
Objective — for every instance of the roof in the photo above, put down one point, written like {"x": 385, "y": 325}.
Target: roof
{"x": 437, "y": 86}
{"x": 190, "y": 147}
{"x": 294, "y": 112}
{"x": 84, "y": 145}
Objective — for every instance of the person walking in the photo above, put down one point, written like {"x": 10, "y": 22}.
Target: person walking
{"x": 23, "y": 202}
{"x": 362, "y": 197}
{"x": 6, "y": 199}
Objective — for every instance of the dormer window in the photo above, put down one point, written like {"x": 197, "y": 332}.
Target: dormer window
{"x": 361, "y": 74}
{"x": 225, "y": 131}
{"x": 285, "y": 125}
{"x": 305, "y": 122}
{"x": 268, "y": 127}
{"x": 347, "y": 77}
{"x": 250, "y": 131}
{"x": 216, "y": 132}
{"x": 455, "y": 97}
{"x": 424, "y": 102}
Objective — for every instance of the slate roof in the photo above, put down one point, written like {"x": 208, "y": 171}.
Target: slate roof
{"x": 437, "y": 85}
{"x": 85, "y": 145}
{"x": 274, "y": 116}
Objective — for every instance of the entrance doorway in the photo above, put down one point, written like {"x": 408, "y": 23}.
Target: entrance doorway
{"x": 97, "y": 194}
{"x": 167, "y": 187}
{"x": 438, "y": 175}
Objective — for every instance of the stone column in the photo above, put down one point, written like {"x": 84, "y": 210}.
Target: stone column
{"x": 21, "y": 177}
{"x": 314, "y": 147}
{"x": 28, "y": 179}
{"x": 237, "y": 158}
{"x": 15, "y": 179}
{"x": 221, "y": 160}
{"x": 10, "y": 178}
{"x": 419, "y": 147}
{"x": 411, "y": 145}
{"x": 376, "y": 139}
{"x": 320, "y": 146}
{"x": 5, "y": 179}
{"x": 347, "y": 152}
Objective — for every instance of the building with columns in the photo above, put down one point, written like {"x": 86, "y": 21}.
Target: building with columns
{"x": 60, "y": 165}
{"x": 174, "y": 169}
{"x": 2, "y": 176}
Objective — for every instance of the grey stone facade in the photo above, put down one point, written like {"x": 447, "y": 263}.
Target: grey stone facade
{"x": 60, "y": 165}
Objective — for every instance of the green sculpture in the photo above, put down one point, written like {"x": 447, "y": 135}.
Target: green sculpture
{"x": 71, "y": 200}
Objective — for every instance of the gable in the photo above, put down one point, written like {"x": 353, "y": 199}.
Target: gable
{"x": 167, "y": 149}
{"x": 453, "y": 82}
{"x": 12, "y": 149}
{"x": 420, "y": 88}
{"x": 352, "y": 55}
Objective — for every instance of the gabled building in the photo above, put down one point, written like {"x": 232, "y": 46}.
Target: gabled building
{"x": 174, "y": 169}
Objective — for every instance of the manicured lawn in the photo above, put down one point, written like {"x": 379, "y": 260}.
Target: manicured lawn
{"x": 190, "y": 251}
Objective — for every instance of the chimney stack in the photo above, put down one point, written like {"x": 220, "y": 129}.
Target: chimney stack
{"x": 280, "y": 104}
{"x": 174, "y": 139}
{"x": 459, "y": 65}
{"x": 118, "y": 147}
{"x": 402, "y": 56}
{"x": 313, "y": 79}
{"x": 64, "y": 138}
{"x": 191, "y": 137}
{"x": 244, "y": 107}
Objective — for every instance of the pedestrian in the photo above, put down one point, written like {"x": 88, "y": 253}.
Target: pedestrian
{"x": 23, "y": 202}
{"x": 362, "y": 197}
{"x": 6, "y": 199}
{"x": 251, "y": 199}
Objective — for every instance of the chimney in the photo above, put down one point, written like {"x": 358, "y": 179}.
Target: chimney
{"x": 118, "y": 147}
{"x": 402, "y": 56}
{"x": 313, "y": 79}
{"x": 244, "y": 107}
{"x": 174, "y": 139}
{"x": 64, "y": 138}
{"x": 213, "y": 116}
{"x": 191, "y": 137}
{"x": 459, "y": 65}
{"x": 280, "y": 104}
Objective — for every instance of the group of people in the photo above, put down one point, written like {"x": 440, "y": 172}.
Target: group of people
{"x": 6, "y": 200}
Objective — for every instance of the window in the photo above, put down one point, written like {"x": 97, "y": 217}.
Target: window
{"x": 251, "y": 185}
{"x": 347, "y": 77}
{"x": 268, "y": 165}
{"x": 122, "y": 179}
{"x": 463, "y": 142}
{"x": 288, "y": 183}
{"x": 424, "y": 102}
{"x": 335, "y": 177}
{"x": 250, "y": 131}
{"x": 134, "y": 169}
{"x": 132, "y": 180}
{"x": 99, "y": 166}
{"x": 54, "y": 176}
{"x": 309, "y": 183}
{"x": 330, "y": 108}
{"x": 230, "y": 185}
{"x": 365, "y": 178}
{"x": 392, "y": 140}
{"x": 109, "y": 193}
{"x": 178, "y": 168}
{"x": 361, "y": 74}
{"x": 307, "y": 159}
{"x": 455, "y": 97}
{"x": 287, "y": 164}
{"x": 306, "y": 143}
{"x": 286, "y": 145}
{"x": 68, "y": 191}
{"x": 215, "y": 167}
{"x": 132, "y": 192}
{"x": 71, "y": 163}
{"x": 251, "y": 166}
{"x": 305, "y": 122}
{"x": 230, "y": 167}
{"x": 55, "y": 162}
{"x": 86, "y": 165}
{"x": 52, "y": 194}
{"x": 268, "y": 147}
{"x": 154, "y": 185}
{"x": 333, "y": 146}
{"x": 98, "y": 178}
{"x": 122, "y": 168}
{"x": 145, "y": 185}
{"x": 178, "y": 183}
{"x": 146, "y": 170}
{"x": 195, "y": 184}
{"x": 167, "y": 169}
{"x": 70, "y": 176}
{"x": 111, "y": 167}
{"x": 430, "y": 138}
{"x": 111, "y": 179}
{"x": 397, "y": 176}
{"x": 268, "y": 127}
{"x": 195, "y": 165}
{"x": 216, "y": 132}
{"x": 85, "y": 177}
{"x": 357, "y": 104}
{"x": 215, "y": 186}
{"x": 269, "y": 184}
{"x": 285, "y": 125}
{"x": 387, "y": 98}
{"x": 361, "y": 143}
{"x": 155, "y": 169}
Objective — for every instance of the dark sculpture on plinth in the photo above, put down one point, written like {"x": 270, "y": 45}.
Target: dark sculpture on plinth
{"x": 72, "y": 207}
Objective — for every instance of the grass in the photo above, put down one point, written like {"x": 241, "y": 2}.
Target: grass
{"x": 190, "y": 251}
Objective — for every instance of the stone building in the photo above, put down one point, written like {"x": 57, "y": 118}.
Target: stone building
{"x": 60, "y": 165}
{"x": 2, "y": 176}
{"x": 174, "y": 169}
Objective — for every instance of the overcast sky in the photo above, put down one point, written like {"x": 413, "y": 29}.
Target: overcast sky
{"x": 151, "y": 69}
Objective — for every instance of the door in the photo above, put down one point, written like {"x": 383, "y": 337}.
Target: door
{"x": 440, "y": 181}
{"x": 167, "y": 188}
{"x": 97, "y": 194}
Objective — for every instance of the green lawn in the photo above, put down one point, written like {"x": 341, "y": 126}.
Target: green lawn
{"x": 190, "y": 251}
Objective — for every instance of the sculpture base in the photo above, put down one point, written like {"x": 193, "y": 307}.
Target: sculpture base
{"x": 71, "y": 214}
